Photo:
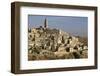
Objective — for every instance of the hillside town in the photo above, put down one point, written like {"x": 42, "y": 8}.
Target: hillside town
{"x": 45, "y": 43}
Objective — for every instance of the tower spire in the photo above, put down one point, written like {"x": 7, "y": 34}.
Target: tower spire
{"x": 45, "y": 23}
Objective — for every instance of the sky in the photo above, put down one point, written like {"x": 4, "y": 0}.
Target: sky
{"x": 77, "y": 26}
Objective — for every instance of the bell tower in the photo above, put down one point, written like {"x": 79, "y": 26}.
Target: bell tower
{"x": 45, "y": 23}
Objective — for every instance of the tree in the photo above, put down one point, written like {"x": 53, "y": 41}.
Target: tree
{"x": 63, "y": 40}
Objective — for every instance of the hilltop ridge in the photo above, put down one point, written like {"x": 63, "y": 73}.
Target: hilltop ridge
{"x": 49, "y": 44}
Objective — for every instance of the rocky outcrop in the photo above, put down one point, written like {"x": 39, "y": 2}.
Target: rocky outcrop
{"x": 49, "y": 44}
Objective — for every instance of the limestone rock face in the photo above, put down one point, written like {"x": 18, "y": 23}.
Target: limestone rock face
{"x": 47, "y": 44}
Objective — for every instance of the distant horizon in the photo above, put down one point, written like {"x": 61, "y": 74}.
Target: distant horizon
{"x": 64, "y": 23}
